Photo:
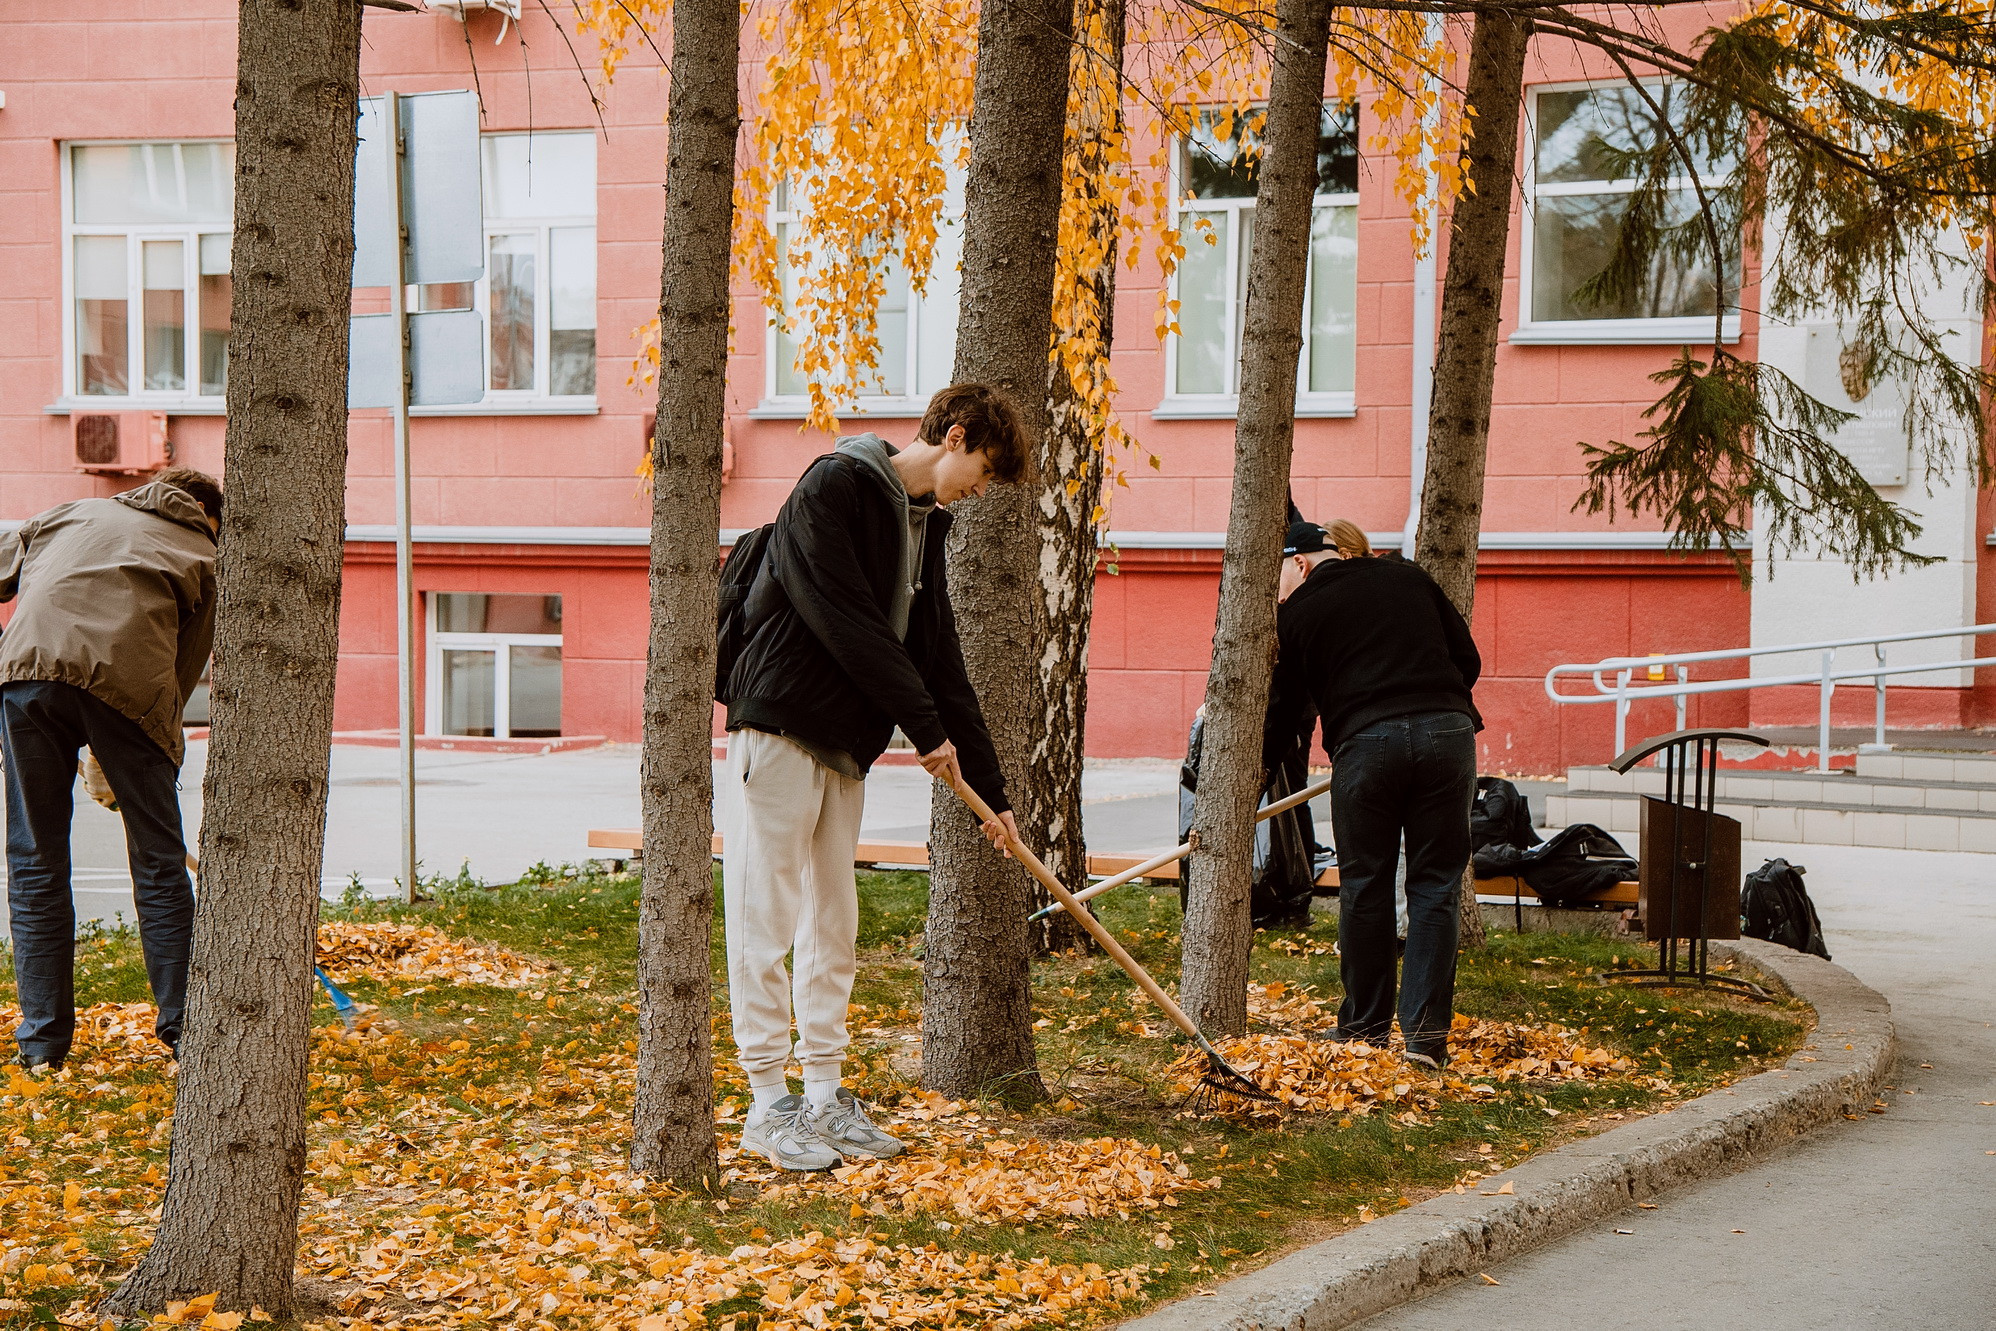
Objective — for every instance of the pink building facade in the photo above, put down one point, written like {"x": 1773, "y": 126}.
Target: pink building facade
{"x": 114, "y": 217}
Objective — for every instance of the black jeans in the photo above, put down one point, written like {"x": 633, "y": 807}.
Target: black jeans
{"x": 42, "y": 728}
{"x": 1414, "y": 774}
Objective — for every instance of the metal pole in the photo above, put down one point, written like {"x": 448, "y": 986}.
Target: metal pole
{"x": 1423, "y": 336}
{"x": 1622, "y": 712}
{"x": 405, "y": 595}
{"x": 1878, "y": 683}
{"x": 1823, "y": 713}
{"x": 1683, "y": 677}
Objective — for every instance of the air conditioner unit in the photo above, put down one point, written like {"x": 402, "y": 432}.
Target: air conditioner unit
{"x": 458, "y": 9}
{"x": 120, "y": 443}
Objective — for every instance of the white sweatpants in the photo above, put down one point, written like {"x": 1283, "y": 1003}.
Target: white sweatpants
{"x": 790, "y": 826}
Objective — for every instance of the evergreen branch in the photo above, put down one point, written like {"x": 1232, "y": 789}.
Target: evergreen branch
{"x": 1739, "y": 438}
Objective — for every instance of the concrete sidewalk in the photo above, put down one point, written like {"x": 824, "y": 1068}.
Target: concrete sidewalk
{"x": 500, "y": 813}
{"x": 1889, "y": 1222}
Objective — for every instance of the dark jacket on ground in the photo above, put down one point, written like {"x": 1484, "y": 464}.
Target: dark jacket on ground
{"x": 823, "y": 664}
{"x": 1363, "y": 640}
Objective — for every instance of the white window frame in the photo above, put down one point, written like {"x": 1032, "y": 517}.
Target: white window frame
{"x": 502, "y": 672}
{"x": 528, "y": 399}
{"x": 796, "y": 406}
{"x": 187, "y": 401}
{"x": 1676, "y": 331}
{"x": 1226, "y": 406}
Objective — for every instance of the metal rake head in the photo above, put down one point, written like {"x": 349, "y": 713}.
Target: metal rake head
{"x": 1223, "y": 1082}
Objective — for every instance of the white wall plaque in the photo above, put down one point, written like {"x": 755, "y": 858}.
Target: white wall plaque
{"x": 1876, "y": 441}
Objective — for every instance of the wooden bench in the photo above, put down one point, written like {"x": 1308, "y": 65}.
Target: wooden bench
{"x": 915, "y": 854}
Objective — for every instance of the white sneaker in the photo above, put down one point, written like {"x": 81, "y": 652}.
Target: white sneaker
{"x": 842, "y": 1124}
{"x": 784, "y": 1135}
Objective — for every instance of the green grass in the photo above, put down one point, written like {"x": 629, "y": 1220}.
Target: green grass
{"x": 1282, "y": 1185}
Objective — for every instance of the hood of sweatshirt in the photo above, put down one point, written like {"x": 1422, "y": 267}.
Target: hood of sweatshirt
{"x": 876, "y": 455}
{"x": 169, "y": 502}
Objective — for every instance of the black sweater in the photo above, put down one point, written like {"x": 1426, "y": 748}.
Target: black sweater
{"x": 1363, "y": 640}
{"x": 822, "y": 662}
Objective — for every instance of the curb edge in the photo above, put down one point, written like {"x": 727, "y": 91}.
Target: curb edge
{"x": 1389, "y": 1261}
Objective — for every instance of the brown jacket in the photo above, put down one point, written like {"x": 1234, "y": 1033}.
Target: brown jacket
{"x": 118, "y": 599}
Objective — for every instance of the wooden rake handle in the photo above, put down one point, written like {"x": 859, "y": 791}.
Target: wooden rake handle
{"x": 1096, "y": 929}
{"x": 1282, "y": 805}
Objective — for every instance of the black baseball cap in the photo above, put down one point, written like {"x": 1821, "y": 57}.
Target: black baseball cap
{"x": 1305, "y": 538}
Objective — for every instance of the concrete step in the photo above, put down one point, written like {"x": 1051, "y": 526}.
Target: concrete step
{"x": 1972, "y": 768}
{"x": 1860, "y": 789}
{"x": 1819, "y": 823}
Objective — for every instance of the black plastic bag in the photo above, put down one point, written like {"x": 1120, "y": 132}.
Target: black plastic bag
{"x": 1775, "y": 906}
{"x": 1286, "y": 852}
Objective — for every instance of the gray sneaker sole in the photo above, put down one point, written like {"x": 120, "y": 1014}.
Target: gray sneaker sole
{"x": 887, "y": 1151}
{"x": 769, "y": 1152}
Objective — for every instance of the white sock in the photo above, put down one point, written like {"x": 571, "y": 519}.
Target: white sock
{"x": 766, "y": 1095}
{"x": 821, "y": 1091}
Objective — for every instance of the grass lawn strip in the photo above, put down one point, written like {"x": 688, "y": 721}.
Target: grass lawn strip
{"x": 466, "y": 1162}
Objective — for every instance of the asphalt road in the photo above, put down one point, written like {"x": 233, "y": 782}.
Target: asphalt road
{"x": 1886, "y": 1222}
{"x": 496, "y": 814}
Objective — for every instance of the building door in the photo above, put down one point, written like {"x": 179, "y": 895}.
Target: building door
{"x": 494, "y": 665}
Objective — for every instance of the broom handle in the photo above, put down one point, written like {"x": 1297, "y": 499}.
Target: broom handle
{"x": 1095, "y": 927}
{"x": 1283, "y": 805}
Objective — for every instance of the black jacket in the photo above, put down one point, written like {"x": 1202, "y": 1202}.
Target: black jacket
{"x": 1363, "y": 640}
{"x": 822, "y": 662}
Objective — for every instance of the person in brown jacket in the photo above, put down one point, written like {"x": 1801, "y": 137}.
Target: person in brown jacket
{"x": 115, "y": 621}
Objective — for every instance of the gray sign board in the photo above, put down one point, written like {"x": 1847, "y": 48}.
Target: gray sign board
{"x": 446, "y": 359}
{"x": 442, "y": 207}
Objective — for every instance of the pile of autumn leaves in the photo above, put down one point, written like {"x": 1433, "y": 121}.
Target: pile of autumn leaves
{"x": 437, "y": 1195}
{"x": 1304, "y": 1074}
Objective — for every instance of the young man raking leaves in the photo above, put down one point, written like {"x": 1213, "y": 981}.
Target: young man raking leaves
{"x": 835, "y": 628}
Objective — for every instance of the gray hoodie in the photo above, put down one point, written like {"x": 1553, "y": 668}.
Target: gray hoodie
{"x": 875, "y": 453}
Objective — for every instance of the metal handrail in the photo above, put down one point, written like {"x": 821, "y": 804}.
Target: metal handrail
{"x": 1625, "y": 690}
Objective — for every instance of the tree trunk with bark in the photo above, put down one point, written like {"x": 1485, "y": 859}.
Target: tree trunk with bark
{"x": 977, "y": 1021}
{"x": 1070, "y": 468}
{"x": 673, "y": 1118}
{"x": 1218, "y": 934}
{"x": 1466, "y": 336}
{"x": 229, "y": 1225}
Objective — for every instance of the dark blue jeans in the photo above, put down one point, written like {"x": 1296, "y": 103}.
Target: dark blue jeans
{"x": 1414, "y": 774}
{"x": 43, "y": 726}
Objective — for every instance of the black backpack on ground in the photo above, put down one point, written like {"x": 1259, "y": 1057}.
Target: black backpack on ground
{"x": 1775, "y": 906}
{"x": 1573, "y": 864}
{"x": 732, "y": 627}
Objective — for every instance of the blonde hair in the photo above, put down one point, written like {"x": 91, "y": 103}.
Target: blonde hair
{"x": 1348, "y": 539}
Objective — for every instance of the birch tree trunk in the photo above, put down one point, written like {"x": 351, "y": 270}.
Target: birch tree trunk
{"x": 1070, "y": 467}
{"x": 673, "y": 1119}
{"x": 1218, "y": 934}
{"x": 977, "y": 1020}
{"x": 1466, "y": 337}
{"x": 229, "y": 1224}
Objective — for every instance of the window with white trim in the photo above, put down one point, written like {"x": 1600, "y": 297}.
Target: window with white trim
{"x": 538, "y": 294}
{"x": 1215, "y": 218}
{"x": 146, "y": 234}
{"x": 916, "y": 329}
{"x": 1590, "y": 143}
{"x": 494, "y": 667}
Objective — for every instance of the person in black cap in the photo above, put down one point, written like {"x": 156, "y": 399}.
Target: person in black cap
{"x": 1389, "y": 665}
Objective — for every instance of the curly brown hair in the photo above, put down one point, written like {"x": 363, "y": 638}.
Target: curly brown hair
{"x": 990, "y": 424}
